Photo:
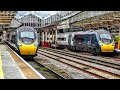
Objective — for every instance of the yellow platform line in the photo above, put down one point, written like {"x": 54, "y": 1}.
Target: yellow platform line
{"x": 1, "y": 70}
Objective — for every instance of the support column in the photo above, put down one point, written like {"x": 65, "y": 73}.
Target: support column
{"x": 49, "y": 36}
{"x": 56, "y": 35}
{"x": 52, "y": 36}
{"x": 49, "y": 39}
{"x": 40, "y": 38}
{"x": 38, "y": 33}
{"x": 43, "y": 39}
{"x": 56, "y": 38}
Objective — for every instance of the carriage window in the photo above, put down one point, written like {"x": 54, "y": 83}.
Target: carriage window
{"x": 88, "y": 38}
{"x": 85, "y": 38}
{"x": 62, "y": 39}
{"x": 79, "y": 38}
{"x": 94, "y": 40}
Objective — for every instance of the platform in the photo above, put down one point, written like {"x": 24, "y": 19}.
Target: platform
{"x": 9, "y": 69}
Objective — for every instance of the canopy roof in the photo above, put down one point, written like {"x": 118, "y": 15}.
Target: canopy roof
{"x": 6, "y": 17}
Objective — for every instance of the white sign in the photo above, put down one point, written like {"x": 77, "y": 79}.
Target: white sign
{"x": 63, "y": 25}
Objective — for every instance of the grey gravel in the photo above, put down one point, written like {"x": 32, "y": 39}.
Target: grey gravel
{"x": 76, "y": 74}
{"x": 91, "y": 64}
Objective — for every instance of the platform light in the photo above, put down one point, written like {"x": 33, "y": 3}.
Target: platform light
{"x": 19, "y": 44}
{"x": 113, "y": 44}
{"x": 36, "y": 44}
{"x": 100, "y": 43}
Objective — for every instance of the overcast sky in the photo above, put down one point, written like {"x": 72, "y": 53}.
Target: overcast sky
{"x": 40, "y": 13}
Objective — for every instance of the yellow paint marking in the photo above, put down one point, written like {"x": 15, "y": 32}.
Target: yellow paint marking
{"x": 1, "y": 71}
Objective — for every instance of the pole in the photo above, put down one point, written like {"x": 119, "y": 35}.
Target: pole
{"x": 55, "y": 37}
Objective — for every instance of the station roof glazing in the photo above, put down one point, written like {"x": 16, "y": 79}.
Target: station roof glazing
{"x": 41, "y": 14}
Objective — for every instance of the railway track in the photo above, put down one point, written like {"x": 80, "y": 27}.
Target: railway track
{"x": 87, "y": 68}
{"x": 54, "y": 74}
{"x": 100, "y": 61}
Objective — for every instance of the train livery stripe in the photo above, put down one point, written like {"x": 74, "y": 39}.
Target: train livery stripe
{"x": 1, "y": 70}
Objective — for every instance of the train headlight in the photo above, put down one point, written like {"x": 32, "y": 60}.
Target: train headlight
{"x": 36, "y": 44}
{"x": 100, "y": 43}
{"x": 19, "y": 44}
{"x": 113, "y": 44}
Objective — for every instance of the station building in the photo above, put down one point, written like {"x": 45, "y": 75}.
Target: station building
{"x": 49, "y": 27}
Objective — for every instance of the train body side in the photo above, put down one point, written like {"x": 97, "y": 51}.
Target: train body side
{"x": 90, "y": 41}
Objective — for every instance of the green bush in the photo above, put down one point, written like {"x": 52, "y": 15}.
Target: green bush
{"x": 116, "y": 38}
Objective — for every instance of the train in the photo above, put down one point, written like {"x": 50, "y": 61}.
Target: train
{"x": 116, "y": 37}
{"x": 25, "y": 40}
{"x": 92, "y": 41}
{"x": 62, "y": 40}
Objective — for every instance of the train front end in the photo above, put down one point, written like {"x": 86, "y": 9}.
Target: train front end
{"x": 27, "y": 42}
{"x": 28, "y": 49}
{"x": 106, "y": 41}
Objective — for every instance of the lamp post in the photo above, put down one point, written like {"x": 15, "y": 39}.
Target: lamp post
{"x": 56, "y": 24}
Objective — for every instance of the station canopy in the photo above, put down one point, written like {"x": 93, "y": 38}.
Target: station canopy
{"x": 6, "y": 17}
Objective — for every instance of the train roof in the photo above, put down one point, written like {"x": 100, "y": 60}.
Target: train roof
{"x": 22, "y": 28}
{"x": 81, "y": 32}
{"x": 63, "y": 34}
{"x": 91, "y": 31}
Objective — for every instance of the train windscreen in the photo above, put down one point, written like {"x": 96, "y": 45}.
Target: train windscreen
{"x": 105, "y": 37}
{"x": 27, "y": 37}
{"x": 27, "y": 34}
